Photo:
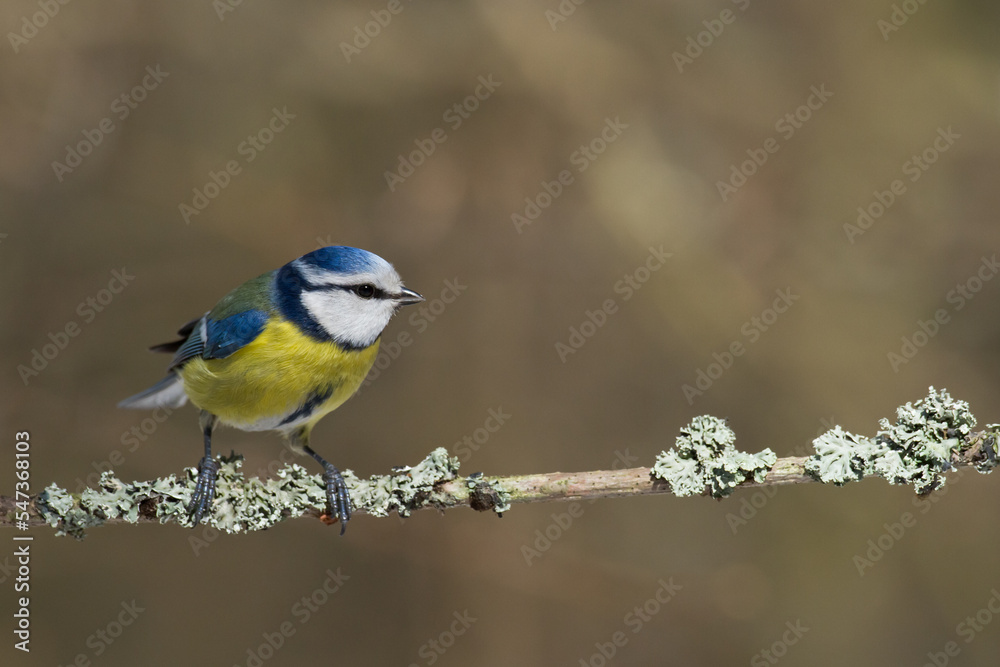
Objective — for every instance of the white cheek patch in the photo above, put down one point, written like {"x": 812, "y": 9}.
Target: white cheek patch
{"x": 347, "y": 317}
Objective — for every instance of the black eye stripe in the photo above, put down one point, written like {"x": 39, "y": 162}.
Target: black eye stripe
{"x": 375, "y": 294}
{"x": 365, "y": 291}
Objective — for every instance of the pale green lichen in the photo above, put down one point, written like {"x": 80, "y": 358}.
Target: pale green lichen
{"x": 987, "y": 444}
{"x": 916, "y": 450}
{"x": 502, "y": 499}
{"x": 407, "y": 488}
{"x": 113, "y": 499}
{"x": 704, "y": 457}
{"x": 65, "y": 515}
{"x": 243, "y": 505}
{"x": 841, "y": 457}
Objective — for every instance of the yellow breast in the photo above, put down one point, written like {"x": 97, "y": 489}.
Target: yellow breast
{"x": 281, "y": 374}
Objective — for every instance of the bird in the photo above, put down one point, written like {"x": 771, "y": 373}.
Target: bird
{"x": 280, "y": 352}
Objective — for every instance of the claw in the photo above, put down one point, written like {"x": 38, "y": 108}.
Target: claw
{"x": 204, "y": 490}
{"x": 338, "y": 503}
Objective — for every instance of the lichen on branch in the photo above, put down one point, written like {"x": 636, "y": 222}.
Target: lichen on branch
{"x": 244, "y": 505}
{"x": 928, "y": 439}
{"x": 918, "y": 449}
{"x": 705, "y": 457}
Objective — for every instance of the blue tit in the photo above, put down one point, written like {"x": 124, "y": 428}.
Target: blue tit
{"x": 278, "y": 353}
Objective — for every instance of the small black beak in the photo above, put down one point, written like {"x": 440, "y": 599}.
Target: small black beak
{"x": 407, "y": 297}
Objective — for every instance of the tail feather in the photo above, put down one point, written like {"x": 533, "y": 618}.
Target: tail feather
{"x": 167, "y": 393}
{"x": 184, "y": 332}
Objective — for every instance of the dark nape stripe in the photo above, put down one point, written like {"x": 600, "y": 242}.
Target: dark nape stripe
{"x": 288, "y": 287}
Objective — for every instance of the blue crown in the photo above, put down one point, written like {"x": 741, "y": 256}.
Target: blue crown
{"x": 343, "y": 259}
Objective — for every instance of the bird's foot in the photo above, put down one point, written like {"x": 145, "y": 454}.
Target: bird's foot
{"x": 204, "y": 489}
{"x": 338, "y": 503}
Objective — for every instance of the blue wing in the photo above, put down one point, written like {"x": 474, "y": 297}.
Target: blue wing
{"x": 217, "y": 339}
{"x": 230, "y": 334}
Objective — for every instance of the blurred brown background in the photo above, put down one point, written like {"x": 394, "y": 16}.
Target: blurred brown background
{"x": 321, "y": 180}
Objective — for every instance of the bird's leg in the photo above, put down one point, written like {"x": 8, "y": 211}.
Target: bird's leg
{"x": 338, "y": 503}
{"x": 208, "y": 471}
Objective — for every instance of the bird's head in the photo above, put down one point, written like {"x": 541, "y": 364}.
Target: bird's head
{"x": 341, "y": 293}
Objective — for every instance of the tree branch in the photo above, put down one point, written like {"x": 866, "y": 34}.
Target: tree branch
{"x": 928, "y": 440}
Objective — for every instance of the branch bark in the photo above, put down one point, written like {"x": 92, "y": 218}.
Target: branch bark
{"x": 250, "y": 504}
{"x": 479, "y": 492}
{"x": 930, "y": 437}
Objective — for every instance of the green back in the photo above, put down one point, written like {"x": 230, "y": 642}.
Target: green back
{"x": 254, "y": 294}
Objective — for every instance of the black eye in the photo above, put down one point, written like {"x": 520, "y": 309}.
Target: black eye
{"x": 365, "y": 291}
